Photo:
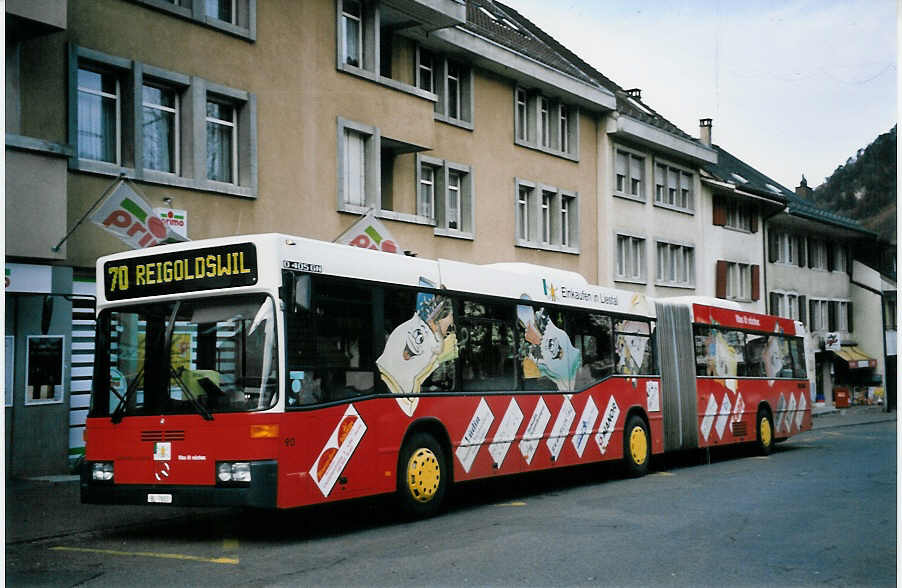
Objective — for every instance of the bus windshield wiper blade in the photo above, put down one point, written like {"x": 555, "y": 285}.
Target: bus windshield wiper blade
{"x": 123, "y": 402}
{"x": 197, "y": 405}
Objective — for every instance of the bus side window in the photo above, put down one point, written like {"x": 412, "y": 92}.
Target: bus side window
{"x": 776, "y": 358}
{"x": 754, "y": 354}
{"x": 797, "y": 350}
{"x": 633, "y": 348}
{"x": 487, "y": 349}
{"x": 705, "y": 351}
{"x": 344, "y": 329}
{"x": 593, "y": 338}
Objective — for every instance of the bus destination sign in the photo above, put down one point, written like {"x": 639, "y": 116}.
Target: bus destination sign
{"x": 210, "y": 268}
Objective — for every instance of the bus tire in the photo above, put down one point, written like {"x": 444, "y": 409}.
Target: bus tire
{"x": 636, "y": 447}
{"x": 764, "y": 431}
{"x": 422, "y": 476}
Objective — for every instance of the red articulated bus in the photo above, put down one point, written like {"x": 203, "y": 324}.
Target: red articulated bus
{"x": 276, "y": 371}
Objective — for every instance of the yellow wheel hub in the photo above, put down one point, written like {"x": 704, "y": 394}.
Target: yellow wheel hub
{"x": 423, "y": 475}
{"x": 766, "y": 433}
{"x": 638, "y": 445}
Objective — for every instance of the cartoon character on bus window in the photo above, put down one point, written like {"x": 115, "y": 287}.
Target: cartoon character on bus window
{"x": 546, "y": 349}
{"x": 772, "y": 355}
{"x": 416, "y": 347}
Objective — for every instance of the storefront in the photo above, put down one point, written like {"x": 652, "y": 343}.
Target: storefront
{"x": 855, "y": 378}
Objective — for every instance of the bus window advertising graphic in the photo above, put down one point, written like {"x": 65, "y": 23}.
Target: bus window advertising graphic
{"x": 417, "y": 347}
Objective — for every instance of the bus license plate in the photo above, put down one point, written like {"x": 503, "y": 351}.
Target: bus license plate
{"x": 160, "y": 498}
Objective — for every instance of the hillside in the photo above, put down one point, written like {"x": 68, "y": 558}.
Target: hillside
{"x": 864, "y": 188}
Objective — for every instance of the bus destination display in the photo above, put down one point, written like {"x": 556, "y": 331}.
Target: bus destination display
{"x": 209, "y": 268}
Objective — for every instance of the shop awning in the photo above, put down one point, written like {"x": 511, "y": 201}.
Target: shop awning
{"x": 856, "y": 358}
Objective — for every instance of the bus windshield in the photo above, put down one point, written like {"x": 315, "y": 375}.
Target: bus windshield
{"x": 204, "y": 356}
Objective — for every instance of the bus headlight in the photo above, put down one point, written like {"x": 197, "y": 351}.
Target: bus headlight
{"x": 102, "y": 471}
{"x": 233, "y": 472}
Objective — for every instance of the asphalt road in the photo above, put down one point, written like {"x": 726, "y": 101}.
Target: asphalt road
{"x": 821, "y": 510}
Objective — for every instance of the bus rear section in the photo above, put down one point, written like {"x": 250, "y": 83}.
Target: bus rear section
{"x": 747, "y": 381}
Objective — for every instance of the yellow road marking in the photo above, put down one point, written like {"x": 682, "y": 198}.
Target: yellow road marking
{"x": 219, "y": 560}
{"x": 516, "y": 503}
{"x": 665, "y": 474}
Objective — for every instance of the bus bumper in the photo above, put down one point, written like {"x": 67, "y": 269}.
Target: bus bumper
{"x": 260, "y": 493}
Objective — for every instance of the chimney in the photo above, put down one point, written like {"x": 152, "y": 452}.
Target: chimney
{"x": 802, "y": 190}
{"x": 704, "y": 130}
{"x": 634, "y": 93}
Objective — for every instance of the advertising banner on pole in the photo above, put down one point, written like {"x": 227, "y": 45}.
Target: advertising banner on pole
{"x": 128, "y": 216}
{"x": 175, "y": 220}
{"x": 370, "y": 233}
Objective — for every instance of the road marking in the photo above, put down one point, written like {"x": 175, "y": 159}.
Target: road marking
{"x": 665, "y": 474}
{"x": 218, "y": 560}
{"x": 516, "y": 503}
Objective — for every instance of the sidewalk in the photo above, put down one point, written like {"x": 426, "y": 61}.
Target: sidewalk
{"x": 47, "y": 507}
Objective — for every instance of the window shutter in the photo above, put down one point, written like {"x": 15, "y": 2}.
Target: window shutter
{"x": 811, "y": 325}
{"x": 720, "y": 287}
{"x": 771, "y": 246}
{"x": 808, "y": 243}
{"x": 831, "y": 315}
{"x": 774, "y": 303}
{"x": 849, "y": 318}
{"x": 756, "y": 282}
{"x": 720, "y": 212}
{"x": 801, "y": 244}
{"x": 849, "y": 261}
{"x": 803, "y": 306}
{"x": 831, "y": 256}
{"x": 753, "y": 218}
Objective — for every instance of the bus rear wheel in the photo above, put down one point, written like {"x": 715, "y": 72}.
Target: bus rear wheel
{"x": 422, "y": 476}
{"x": 765, "y": 432}
{"x": 636, "y": 447}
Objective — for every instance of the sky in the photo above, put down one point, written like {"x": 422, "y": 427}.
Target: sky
{"x": 793, "y": 87}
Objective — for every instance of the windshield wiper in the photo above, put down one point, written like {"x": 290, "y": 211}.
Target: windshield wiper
{"x": 197, "y": 405}
{"x": 123, "y": 402}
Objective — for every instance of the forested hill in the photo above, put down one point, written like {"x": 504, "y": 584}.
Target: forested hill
{"x": 864, "y": 188}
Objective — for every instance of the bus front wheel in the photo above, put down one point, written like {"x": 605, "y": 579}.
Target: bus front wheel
{"x": 422, "y": 476}
{"x": 765, "y": 432}
{"x": 636, "y": 447}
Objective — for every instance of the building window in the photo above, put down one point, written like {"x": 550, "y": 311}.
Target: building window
{"x": 445, "y": 196}
{"x": 737, "y": 281}
{"x": 738, "y": 216}
{"x": 817, "y": 254}
{"x": 840, "y": 261}
{"x": 524, "y": 195}
{"x": 354, "y": 166}
{"x": 351, "y": 33}
{"x": 630, "y": 262}
{"x": 99, "y": 118}
{"x": 137, "y": 129}
{"x": 451, "y": 82}
{"x": 842, "y": 316}
{"x": 426, "y": 71}
{"x": 674, "y": 187}
{"x": 223, "y": 10}
{"x": 546, "y": 218}
{"x": 222, "y": 144}
{"x": 675, "y": 265}
{"x": 787, "y": 305}
{"x": 545, "y": 124}
{"x": 426, "y": 196}
{"x": 820, "y": 315}
{"x": 630, "y": 174}
{"x": 160, "y": 128}
{"x": 521, "y": 118}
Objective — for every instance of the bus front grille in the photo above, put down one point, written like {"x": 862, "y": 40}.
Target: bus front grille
{"x": 155, "y": 436}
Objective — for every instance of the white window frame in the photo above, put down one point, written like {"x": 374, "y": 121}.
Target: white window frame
{"x": 675, "y": 264}
{"x": 634, "y": 171}
{"x": 176, "y": 111}
{"x": 538, "y": 124}
{"x": 629, "y": 258}
{"x": 820, "y": 318}
{"x": 788, "y": 304}
{"x": 550, "y": 215}
{"x": 670, "y": 194}
{"x": 426, "y": 206}
{"x": 739, "y": 281}
{"x": 842, "y": 316}
{"x": 371, "y": 176}
{"x": 445, "y": 84}
{"x": 840, "y": 262}
{"x": 344, "y": 18}
{"x": 443, "y": 189}
{"x": 102, "y": 70}
{"x": 739, "y": 217}
{"x": 787, "y": 248}
{"x": 818, "y": 254}
{"x": 230, "y": 124}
